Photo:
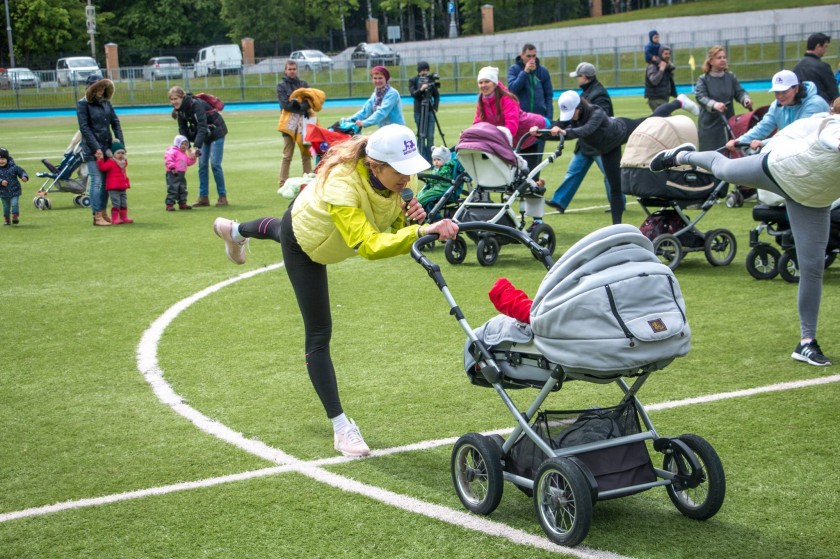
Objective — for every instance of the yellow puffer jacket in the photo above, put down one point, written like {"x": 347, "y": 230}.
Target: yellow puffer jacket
{"x": 342, "y": 214}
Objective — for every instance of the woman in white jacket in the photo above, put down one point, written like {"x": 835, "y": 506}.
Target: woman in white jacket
{"x": 802, "y": 164}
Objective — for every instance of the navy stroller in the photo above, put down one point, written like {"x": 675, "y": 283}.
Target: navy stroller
{"x": 60, "y": 178}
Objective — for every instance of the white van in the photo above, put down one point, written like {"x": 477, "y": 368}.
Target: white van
{"x": 75, "y": 69}
{"x": 217, "y": 59}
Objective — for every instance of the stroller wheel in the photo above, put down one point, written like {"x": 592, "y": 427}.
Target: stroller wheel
{"x": 38, "y": 202}
{"x": 720, "y": 247}
{"x": 699, "y": 484}
{"x": 543, "y": 234}
{"x": 734, "y": 199}
{"x": 763, "y": 262}
{"x": 829, "y": 258}
{"x": 47, "y": 203}
{"x": 562, "y": 501}
{"x": 668, "y": 249}
{"x": 487, "y": 250}
{"x": 788, "y": 267}
{"x": 85, "y": 201}
{"x": 77, "y": 200}
{"x": 455, "y": 250}
{"x": 477, "y": 473}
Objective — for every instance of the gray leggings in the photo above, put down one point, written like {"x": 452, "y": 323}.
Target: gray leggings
{"x": 810, "y": 226}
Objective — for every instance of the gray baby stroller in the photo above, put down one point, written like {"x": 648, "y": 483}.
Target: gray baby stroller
{"x": 607, "y": 311}
{"x": 495, "y": 170}
{"x": 671, "y": 193}
{"x": 61, "y": 179}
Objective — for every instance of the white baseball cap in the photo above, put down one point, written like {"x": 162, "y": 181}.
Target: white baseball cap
{"x": 784, "y": 80}
{"x": 568, "y": 102}
{"x": 396, "y": 145}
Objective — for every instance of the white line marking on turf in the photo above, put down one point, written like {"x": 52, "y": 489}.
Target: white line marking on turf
{"x": 147, "y": 363}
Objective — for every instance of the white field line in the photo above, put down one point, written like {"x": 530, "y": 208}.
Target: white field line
{"x": 147, "y": 363}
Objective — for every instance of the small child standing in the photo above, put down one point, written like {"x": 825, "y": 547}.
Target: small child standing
{"x": 435, "y": 188}
{"x": 177, "y": 158}
{"x": 116, "y": 182}
{"x": 10, "y": 187}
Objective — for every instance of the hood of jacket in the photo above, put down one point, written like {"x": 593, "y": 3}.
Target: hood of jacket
{"x": 103, "y": 87}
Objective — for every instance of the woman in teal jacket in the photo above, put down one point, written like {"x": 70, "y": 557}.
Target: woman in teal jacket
{"x": 384, "y": 106}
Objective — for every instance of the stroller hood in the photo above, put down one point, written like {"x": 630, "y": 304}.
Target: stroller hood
{"x": 486, "y": 138}
{"x": 655, "y": 134}
{"x": 609, "y": 306}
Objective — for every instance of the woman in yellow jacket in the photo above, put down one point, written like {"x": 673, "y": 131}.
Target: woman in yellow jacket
{"x": 353, "y": 207}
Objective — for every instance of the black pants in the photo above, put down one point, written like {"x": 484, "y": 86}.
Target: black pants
{"x": 612, "y": 158}
{"x": 309, "y": 281}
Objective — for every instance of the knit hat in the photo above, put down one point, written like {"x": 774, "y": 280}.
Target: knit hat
{"x": 568, "y": 102}
{"x": 382, "y": 70}
{"x": 784, "y": 80}
{"x": 179, "y": 139}
{"x": 116, "y": 146}
{"x": 489, "y": 73}
{"x": 4, "y": 153}
{"x": 396, "y": 145}
{"x": 583, "y": 69}
{"x": 92, "y": 79}
{"x": 422, "y": 65}
{"x": 442, "y": 153}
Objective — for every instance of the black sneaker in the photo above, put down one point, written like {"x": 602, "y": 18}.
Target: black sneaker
{"x": 810, "y": 353}
{"x": 555, "y": 205}
{"x": 668, "y": 158}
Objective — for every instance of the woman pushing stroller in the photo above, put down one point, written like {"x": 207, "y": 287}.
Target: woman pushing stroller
{"x": 801, "y": 163}
{"x": 606, "y": 134}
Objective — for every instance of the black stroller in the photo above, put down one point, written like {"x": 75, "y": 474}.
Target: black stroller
{"x": 672, "y": 192}
{"x": 495, "y": 169}
{"x": 607, "y": 311}
{"x": 764, "y": 261}
{"x": 60, "y": 179}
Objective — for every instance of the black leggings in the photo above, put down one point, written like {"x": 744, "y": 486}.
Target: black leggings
{"x": 309, "y": 281}
{"x": 612, "y": 159}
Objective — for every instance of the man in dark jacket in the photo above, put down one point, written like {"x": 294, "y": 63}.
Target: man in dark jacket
{"x": 593, "y": 91}
{"x": 206, "y": 129}
{"x": 285, "y": 88}
{"x": 531, "y": 83}
{"x": 811, "y": 68}
{"x": 659, "y": 79}
{"x": 97, "y": 120}
{"x": 422, "y": 89}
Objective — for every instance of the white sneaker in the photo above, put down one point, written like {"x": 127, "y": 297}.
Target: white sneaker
{"x": 688, "y": 104}
{"x": 349, "y": 441}
{"x": 235, "y": 250}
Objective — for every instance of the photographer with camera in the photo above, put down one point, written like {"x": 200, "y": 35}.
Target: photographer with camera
{"x": 424, "y": 88}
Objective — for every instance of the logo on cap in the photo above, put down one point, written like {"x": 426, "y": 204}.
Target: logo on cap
{"x": 409, "y": 147}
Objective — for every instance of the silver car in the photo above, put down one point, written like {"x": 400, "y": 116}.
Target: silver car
{"x": 17, "y": 78}
{"x": 312, "y": 60}
{"x": 75, "y": 69}
{"x": 163, "y": 67}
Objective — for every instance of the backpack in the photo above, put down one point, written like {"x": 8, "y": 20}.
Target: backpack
{"x": 215, "y": 103}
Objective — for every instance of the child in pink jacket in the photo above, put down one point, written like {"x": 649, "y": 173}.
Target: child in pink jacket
{"x": 178, "y": 157}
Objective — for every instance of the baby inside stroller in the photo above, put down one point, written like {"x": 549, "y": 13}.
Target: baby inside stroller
{"x": 60, "y": 179}
{"x": 607, "y": 311}
{"x": 765, "y": 261}
{"x": 496, "y": 169}
{"x": 672, "y": 231}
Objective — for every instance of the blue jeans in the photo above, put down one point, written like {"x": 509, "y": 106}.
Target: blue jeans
{"x": 211, "y": 155}
{"x": 425, "y": 144}
{"x": 578, "y": 167}
{"x": 11, "y": 203}
{"x": 98, "y": 194}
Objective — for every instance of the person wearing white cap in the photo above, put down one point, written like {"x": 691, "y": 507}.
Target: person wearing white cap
{"x": 354, "y": 206}
{"x": 801, "y": 163}
{"x": 579, "y": 119}
{"x": 794, "y": 100}
{"x": 716, "y": 90}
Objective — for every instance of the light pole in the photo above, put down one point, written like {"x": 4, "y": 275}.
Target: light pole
{"x": 9, "y": 33}
{"x": 90, "y": 19}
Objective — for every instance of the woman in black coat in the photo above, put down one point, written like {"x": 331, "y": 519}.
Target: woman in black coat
{"x": 100, "y": 127}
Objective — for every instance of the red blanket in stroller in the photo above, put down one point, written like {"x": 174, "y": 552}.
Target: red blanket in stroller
{"x": 322, "y": 139}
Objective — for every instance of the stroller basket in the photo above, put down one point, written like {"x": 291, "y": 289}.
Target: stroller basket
{"x": 615, "y": 467}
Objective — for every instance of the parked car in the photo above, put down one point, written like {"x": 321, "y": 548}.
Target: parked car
{"x": 218, "y": 59}
{"x": 312, "y": 60}
{"x": 75, "y": 69}
{"x": 16, "y": 78}
{"x": 163, "y": 67}
{"x": 374, "y": 54}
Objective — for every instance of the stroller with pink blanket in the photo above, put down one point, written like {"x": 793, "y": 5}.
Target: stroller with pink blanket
{"x": 500, "y": 177}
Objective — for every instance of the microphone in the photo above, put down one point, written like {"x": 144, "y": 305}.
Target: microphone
{"x": 407, "y": 194}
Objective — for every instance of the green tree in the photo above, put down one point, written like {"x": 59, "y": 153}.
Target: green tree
{"x": 40, "y": 28}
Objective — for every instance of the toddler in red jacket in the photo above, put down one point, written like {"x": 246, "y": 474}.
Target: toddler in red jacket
{"x": 511, "y": 301}
{"x": 116, "y": 182}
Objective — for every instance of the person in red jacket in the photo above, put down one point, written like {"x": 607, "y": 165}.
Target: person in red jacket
{"x": 116, "y": 182}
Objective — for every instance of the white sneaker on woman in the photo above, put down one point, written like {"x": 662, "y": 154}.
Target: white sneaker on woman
{"x": 349, "y": 441}
{"x": 688, "y": 104}
{"x": 235, "y": 250}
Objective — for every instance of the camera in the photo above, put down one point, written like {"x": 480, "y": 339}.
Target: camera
{"x": 433, "y": 80}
